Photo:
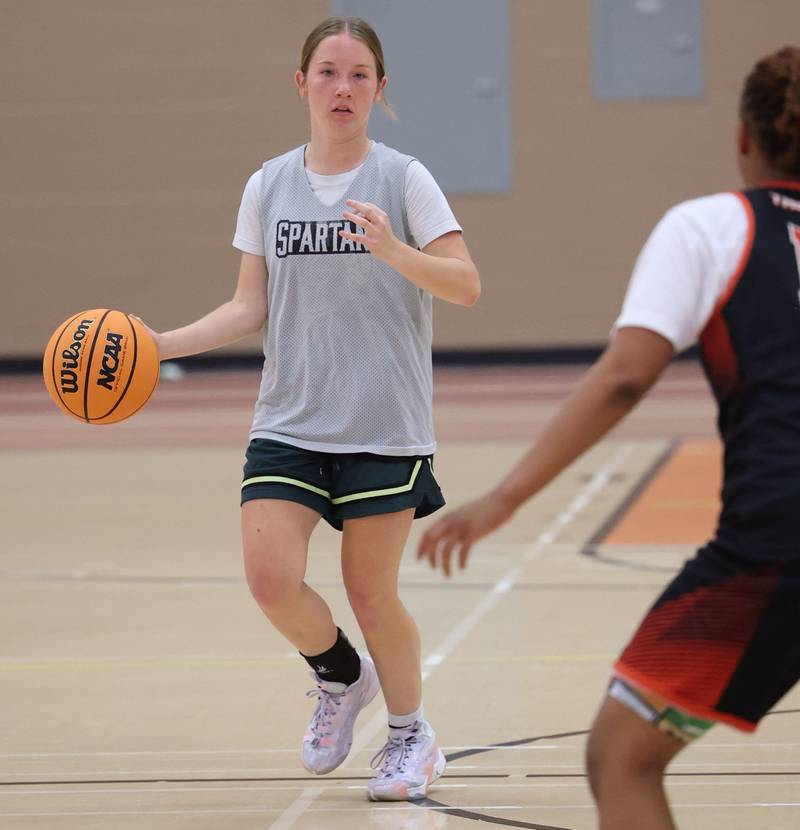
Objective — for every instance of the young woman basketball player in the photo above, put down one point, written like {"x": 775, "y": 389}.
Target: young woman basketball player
{"x": 721, "y": 643}
{"x": 344, "y": 242}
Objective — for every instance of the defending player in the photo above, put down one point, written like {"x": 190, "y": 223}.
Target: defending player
{"x": 721, "y": 643}
{"x": 356, "y": 239}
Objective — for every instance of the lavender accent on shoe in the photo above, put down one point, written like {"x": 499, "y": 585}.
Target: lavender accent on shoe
{"x": 329, "y": 736}
{"x": 408, "y": 764}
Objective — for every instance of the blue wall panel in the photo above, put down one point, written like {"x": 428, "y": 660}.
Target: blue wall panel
{"x": 448, "y": 68}
{"x": 647, "y": 49}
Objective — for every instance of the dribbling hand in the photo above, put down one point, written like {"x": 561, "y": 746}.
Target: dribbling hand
{"x": 154, "y": 334}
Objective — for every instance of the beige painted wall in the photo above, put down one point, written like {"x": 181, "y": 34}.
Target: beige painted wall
{"x": 127, "y": 131}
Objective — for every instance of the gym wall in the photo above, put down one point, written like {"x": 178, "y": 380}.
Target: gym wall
{"x": 129, "y": 130}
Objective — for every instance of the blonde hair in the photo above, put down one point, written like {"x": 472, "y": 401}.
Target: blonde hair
{"x": 359, "y": 30}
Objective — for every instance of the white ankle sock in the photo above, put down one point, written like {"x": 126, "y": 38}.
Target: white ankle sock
{"x": 403, "y": 722}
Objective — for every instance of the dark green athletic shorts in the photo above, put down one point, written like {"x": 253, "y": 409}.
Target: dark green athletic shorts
{"x": 340, "y": 486}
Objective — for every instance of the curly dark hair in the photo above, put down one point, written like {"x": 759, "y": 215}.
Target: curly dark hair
{"x": 770, "y": 108}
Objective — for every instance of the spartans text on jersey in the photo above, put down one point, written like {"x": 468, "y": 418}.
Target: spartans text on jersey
{"x": 316, "y": 238}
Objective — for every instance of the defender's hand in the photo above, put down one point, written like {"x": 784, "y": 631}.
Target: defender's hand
{"x": 457, "y": 531}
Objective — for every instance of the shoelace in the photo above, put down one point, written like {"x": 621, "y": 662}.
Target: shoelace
{"x": 391, "y": 758}
{"x": 328, "y": 703}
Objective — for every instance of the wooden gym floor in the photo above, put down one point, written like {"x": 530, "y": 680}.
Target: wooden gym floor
{"x": 140, "y": 687}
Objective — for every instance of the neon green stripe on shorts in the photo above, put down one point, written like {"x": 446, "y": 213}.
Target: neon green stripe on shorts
{"x": 285, "y": 480}
{"x": 388, "y": 491}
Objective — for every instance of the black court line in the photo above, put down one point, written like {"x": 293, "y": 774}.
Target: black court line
{"x": 475, "y": 816}
{"x": 471, "y": 815}
{"x": 468, "y": 753}
{"x": 590, "y": 549}
{"x": 453, "y": 756}
{"x": 489, "y": 819}
{"x": 726, "y": 774}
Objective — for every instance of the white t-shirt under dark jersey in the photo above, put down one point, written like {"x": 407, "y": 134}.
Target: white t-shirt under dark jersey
{"x": 685, "y": 267}
{"x": 428, "y": 212}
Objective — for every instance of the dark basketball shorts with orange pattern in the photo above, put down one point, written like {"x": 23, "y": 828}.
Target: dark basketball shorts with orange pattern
{"x": 722, "y": 642}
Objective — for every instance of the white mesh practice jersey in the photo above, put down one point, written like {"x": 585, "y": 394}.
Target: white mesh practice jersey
{"x": 348, "y": 341}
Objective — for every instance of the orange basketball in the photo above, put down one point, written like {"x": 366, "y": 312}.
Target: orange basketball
{"x": 101, "y": 366}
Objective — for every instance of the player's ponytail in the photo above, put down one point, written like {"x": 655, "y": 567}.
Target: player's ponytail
{"x": 770, "y": 107}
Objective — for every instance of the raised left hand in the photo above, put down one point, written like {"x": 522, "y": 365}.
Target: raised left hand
{"x": 378, "y": 236}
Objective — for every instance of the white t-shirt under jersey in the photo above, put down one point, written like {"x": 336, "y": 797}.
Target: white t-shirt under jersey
{"x": 685, "y": 267}
{"x": 428, "y": 212}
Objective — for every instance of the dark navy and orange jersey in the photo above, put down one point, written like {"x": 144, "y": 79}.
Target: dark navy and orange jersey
{"x": 751, "y": 353}
{"x": 721, "y": 642}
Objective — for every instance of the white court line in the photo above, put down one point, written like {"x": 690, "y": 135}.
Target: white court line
{"x": 148, "y": 752}
{"x": 296, "y": 808}
{"x": 326, "y": 810}
{"x": 487, "y": 602}
{"x": 515, "y": 783}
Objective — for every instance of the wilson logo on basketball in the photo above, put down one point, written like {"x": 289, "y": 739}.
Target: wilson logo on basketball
{"x": 110, "y": 362}
{"x": 70, "y": 358}
{"x": 100, "y": 366}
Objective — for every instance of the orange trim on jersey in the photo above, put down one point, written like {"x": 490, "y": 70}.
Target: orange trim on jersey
{"x": 748, "y": 247}
{"x": 691, "y": 707}
{"x": 715, "y": 339}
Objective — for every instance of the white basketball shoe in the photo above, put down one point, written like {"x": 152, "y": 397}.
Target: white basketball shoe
{"x": 329, "y": 736}
{"x": 408, "y": 764}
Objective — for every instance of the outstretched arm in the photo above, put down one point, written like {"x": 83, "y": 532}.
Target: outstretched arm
{"x": 244, "y": 314}
{"x": 610, "y": 389}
